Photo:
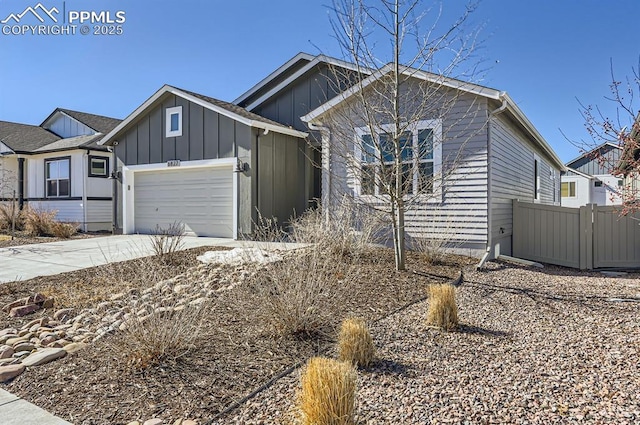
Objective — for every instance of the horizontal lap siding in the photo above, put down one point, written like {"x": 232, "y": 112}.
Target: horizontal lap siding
{"x": 512, "y": 177}
{"x": 67, "y": 211}
{"x": 461, "y": 213}
{"x": 99, "y": 215}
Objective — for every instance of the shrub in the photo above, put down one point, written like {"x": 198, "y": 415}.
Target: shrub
{"x": 355, "y": 345}
{"x": 348, "y": 229}
{"x": 164, "y": 334}
{"x": 328, "y": 392}
{"x": 63, "y": 230}
{"x": 165, "y": 242}
{"x": 443, "y": 310}
{"x": 9, "y": 213}
{"x": 299, "y": 296}
{"x": 37, "y": 221}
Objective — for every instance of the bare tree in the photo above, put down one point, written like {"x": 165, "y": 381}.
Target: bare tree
{"x": 621, "y": 128}
{"x": 403, "y": 101}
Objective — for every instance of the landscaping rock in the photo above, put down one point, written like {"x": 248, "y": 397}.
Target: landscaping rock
{"x": 8, "y": 331}
{"x": 154, "y": 421}
{"x": 43, "y": 356}
{"x": 134, "y": 423}
{"x": 74, "y": 347}
{"x": 17, "y": 340}
{"x": 62, "y": 314}
{"x": 24, "y": 310}
{"x": 24, "y": 346}
{"x": 48, "y": 303}
{"x": 10, "y": 372}
{"x": 16, "y": 303}
{"x": 6, "y": 352}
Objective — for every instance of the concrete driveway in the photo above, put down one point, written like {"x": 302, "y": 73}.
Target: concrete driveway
{"x": 46, "y": 259}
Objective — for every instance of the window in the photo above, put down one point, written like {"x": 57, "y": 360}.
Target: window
{"x": 620, "y": 183}
{"x": 536, "y": 177}
{"x": 173, "y": 120}
{"x": 98, "y": 166}
{"x": 57, "y": 172}
{"x": 421, "y": 158}
{"x": 597, "y": 183}
{"x": 568, "y": 189}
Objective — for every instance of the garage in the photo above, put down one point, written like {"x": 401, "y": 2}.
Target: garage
{"x": 201, "y": 198}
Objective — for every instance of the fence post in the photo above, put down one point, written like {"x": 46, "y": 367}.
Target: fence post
{"x": 586, "y": 237}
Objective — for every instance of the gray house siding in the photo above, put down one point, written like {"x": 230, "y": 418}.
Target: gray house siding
{"x": 205, "y": 135}
{"x": 512, "y": 177}
{"x": 282, "y": 164}
{"x": 460, "y": 214}
{"x": 601, "y": 162}
{"x": 304, "y": 95}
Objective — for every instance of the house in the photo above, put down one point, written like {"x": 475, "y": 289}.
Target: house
{"x": 629, "y": 166}
{"x": 588, "y": 179}
{"x": 207, "y": 164}
{"x": 59, "y": 166}
{"x": 484, "y": 153}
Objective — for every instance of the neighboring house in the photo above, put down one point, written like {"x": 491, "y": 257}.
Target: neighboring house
{"x": 629, "y": 166}
{"x": 588, "y": 179}
{"x": 59, "y": 166}
{"x": 499, "y": 156}
{"x": 208, "y": 164}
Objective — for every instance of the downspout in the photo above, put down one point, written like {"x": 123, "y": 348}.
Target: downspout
{"x": 114, "y": 188}
{"x": 20, "y": 183}
{"x": 492, "y": 114}
{"x": 326, "y": 153}
{"x": 85, "y": 177}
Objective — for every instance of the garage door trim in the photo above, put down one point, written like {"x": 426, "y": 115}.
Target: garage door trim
{"x": 128, "y": 185}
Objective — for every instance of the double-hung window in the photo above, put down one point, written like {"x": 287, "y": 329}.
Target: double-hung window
{"x": 57, "y": 176}
{"x": 420, "y": 157}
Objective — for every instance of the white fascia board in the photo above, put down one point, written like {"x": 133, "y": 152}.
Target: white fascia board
{"x": 407, "y": 72}
{"x": 274, "y": 74}
{"x": 170, "y": 89}
{"x": 580, "y": 173}
{"x": 319, "y": 59}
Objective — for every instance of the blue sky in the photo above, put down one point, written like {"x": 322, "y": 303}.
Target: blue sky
{"x": 544, "y": 53}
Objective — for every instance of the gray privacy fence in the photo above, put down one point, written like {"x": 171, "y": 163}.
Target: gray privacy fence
{"x": 588, "y": 237}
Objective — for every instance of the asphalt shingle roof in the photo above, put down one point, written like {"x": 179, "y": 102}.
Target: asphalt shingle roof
{"x": 25, "y": 137}
{"x": 99, "y": 123}
{"x": 232, "y": 107}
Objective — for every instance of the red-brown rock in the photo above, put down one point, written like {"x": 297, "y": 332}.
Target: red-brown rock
{"x": 10, "y": 372}
{"x": 23, "y": 310}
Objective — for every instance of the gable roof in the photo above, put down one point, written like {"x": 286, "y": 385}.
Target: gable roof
{"x": 25, "y": 138}
{"x": 98, "y": 123}
{"x": 230, "y": 110}
{"x": 287, "y": 74}
{"x": 502, "y": 96}
{"x": 580, "y": 173}
{"x": 591, "y": 152}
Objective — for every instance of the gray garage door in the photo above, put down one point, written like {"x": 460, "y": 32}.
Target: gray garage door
{"x": 199, "y": 198}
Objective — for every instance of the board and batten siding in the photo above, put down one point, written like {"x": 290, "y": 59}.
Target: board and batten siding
{"x": 598, "y": 164}
{"x": 205, "y": 135}
{"x": 512, "y": 177}
{"x": 65, "y": 126}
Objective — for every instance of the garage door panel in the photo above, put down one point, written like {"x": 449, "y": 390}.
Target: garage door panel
{"x": 201, "y": 199}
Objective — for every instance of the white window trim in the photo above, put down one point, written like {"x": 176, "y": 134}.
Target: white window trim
{"x": 168, "y": 113}
{"x": 436, "y": 126}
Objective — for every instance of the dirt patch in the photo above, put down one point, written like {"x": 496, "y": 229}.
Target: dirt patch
{"x": 236, "y": 356}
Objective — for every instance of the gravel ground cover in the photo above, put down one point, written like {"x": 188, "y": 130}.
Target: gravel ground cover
{"x": 22, "y": 238}
{"x": 550, "y": 346}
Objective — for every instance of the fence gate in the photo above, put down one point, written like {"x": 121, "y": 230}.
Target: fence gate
{"x": 588, "y": 237}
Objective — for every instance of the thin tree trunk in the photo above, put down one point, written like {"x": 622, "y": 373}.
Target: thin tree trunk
{"x": 399, "y": 219}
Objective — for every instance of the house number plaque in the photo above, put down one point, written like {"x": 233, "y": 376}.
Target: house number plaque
{"x": 173, "y": 163}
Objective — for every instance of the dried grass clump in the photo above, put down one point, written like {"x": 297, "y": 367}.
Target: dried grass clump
{"x": 443, "y": 310}
{"x": 300, "y": 296}
{"x": 37, "y": 221}
{"x": 10, "y": 215}
{"x": 163, "y": 335}
{"x": 63, "y": 230}
{"x": 355, "y": 345}
{"x": 328, "y": 393}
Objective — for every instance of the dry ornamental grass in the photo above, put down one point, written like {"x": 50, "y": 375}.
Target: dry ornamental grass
{"x": 328, "y": 393}
{"x": 355, "y": 345}
{"x": 443, "y": 310}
